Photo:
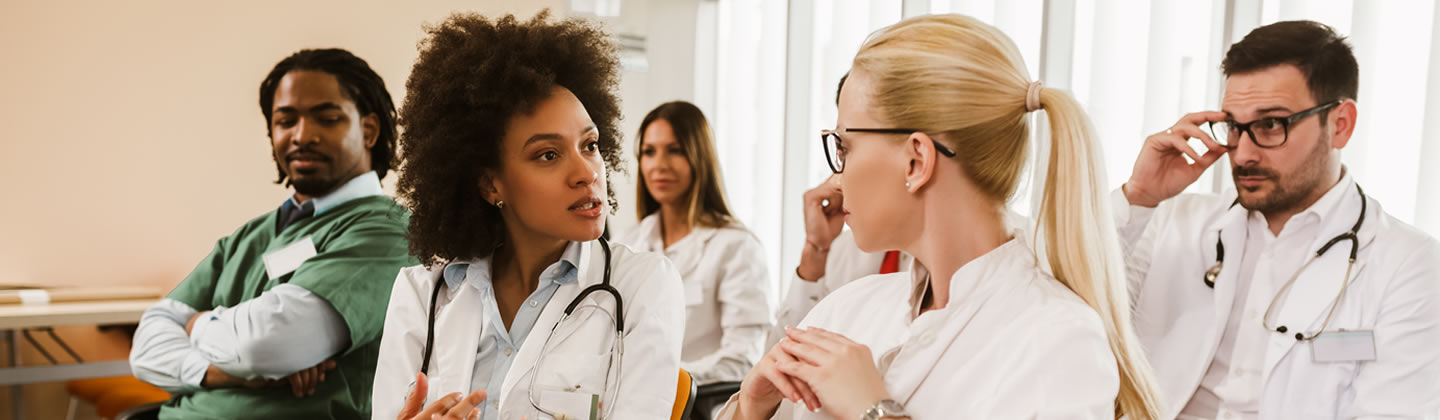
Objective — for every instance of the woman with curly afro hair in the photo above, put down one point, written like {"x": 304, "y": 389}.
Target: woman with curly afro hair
{"x": 510, "y": 135}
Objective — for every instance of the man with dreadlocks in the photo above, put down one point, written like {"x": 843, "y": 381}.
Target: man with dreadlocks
{"x": 283, "y": 318}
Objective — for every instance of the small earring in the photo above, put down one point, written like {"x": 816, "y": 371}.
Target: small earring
{"x": 907, "y": 184}
{"x": 500, "y": 204}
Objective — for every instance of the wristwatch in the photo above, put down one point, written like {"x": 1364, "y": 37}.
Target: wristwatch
{"x": 885, "y": 408}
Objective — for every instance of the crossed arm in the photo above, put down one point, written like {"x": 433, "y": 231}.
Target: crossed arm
{"x": 283, "y": 337}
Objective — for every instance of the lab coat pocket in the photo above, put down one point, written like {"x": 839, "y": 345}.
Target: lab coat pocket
{"x": 572, "y": 372}
{"x": 1326, "y": 379}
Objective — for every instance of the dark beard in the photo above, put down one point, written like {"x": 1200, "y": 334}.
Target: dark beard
{"x": 1291, "y": 191}
{"x": 313, "y": 186}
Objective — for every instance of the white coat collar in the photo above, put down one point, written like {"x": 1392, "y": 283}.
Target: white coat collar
{"x": 652, "y": 240}
{"x": 970, "y": 288}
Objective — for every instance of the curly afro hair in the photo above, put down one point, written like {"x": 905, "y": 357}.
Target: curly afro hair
{"x": 472, "y": 76}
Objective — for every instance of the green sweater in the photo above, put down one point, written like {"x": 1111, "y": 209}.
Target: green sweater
{"x": 360, "y": 247}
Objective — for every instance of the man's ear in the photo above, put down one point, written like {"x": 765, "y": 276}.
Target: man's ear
{"x": 370, "y": 129}
{"x": 1342, "y": 124}
{"x": 920, "y": 149}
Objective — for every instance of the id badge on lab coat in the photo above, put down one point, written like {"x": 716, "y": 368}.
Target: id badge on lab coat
{"x": 285, "y": 260}
{"x": 571, "y": 405}
{"x": 694, "y": 293}
{"x": 1343, "y": 346}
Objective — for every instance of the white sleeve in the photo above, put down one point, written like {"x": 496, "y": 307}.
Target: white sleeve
{"x": 746, "y": 301}
{"x": 739, "y": 351}
{"x": 802, "y": 297}
{"x": 257, "y": 338}
{"x": 1136, "y": 243}
{"x": 844, "y": 264}
{"x": 162, "y": 354}
{"x": 401, "y": 344}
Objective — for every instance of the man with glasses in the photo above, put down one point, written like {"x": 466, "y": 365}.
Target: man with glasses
{"x": 1294, "y": 296}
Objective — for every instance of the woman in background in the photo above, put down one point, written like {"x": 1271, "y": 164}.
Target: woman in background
{"x": 683, "y": 215}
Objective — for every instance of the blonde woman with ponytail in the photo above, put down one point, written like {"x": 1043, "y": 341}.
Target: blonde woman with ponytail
{"x": 930, "y": 143}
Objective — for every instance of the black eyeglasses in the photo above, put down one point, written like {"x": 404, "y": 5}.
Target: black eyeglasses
{"x": 1266, "y": 132}
{"x": 835, "y": 147}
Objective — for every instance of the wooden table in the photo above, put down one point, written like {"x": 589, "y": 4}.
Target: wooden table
{"x": 15, "y": 318}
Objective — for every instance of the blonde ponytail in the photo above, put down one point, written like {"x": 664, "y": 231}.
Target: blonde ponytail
{"x": 1083, "y": 248}
{"x": 965, "y": 82}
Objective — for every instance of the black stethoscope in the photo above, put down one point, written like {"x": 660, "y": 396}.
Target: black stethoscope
{"x": 1214, "y": 272}
{"x": 604, "y": 286}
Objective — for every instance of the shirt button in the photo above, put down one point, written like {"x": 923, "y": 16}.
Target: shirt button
{"x": 507, "y": 352}
{"x": 533, "y": 303}
{"x": 1239, "y": 372}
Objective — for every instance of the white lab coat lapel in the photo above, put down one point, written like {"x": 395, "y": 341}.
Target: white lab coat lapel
{"x": 1231, "y": 226}
{"x": 1303, "y": 310}
{"x": 1231, "y": 229}
{"x": 684, "y": 262}
{"x": 590, "y": 271}
{"x": 918, "y": 357}
{"x": 458, "y": 327}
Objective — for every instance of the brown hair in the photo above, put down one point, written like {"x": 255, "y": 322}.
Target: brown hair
{"x": 1322, "y": 56}
{"x": 706, "y": 196}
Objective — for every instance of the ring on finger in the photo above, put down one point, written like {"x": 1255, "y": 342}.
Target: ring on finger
{"x": 1169, "y": 131}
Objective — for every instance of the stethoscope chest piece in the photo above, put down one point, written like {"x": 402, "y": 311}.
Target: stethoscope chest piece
{"x": 1212, "y": 274}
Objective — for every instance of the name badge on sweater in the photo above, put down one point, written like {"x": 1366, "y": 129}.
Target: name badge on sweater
{"x": 1343, "y": 346}
{"x": 285, "y": 260}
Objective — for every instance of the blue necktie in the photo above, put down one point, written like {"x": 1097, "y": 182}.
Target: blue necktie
{"x": 295, "y": 215}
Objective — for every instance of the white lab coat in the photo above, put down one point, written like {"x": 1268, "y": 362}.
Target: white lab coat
{"x": 650, "y": 363}
{"x": 728, "y": 296}
{"x": 1013, "y": 343}
{"x": 1394, "y": 291}
{"x": 845, "y": 263}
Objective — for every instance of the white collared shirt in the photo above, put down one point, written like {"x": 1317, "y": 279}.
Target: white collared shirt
{"x": 1234, "y": 381}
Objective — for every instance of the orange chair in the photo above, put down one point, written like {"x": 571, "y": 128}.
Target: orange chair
{"x": 112, "y": 395}
{"x": 684, "y": 397}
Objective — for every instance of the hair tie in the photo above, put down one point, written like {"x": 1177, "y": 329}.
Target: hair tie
{"x": 1032, "y": 97}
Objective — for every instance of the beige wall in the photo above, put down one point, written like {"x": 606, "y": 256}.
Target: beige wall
{"x": 669, "y": 28}
{"x": 130, "y": 137}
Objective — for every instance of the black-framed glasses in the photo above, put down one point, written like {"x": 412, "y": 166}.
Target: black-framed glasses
{"x": 835, "y": 146}
{"x": 1266, "y": 132}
